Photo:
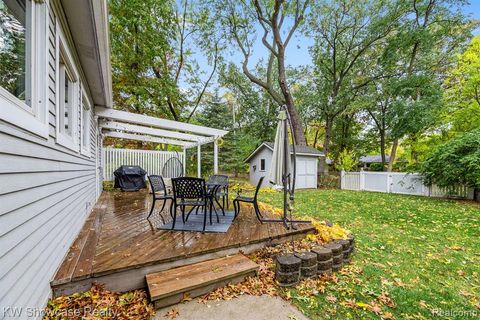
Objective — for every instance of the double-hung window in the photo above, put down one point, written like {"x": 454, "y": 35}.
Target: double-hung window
{"x": 68, "y": 97}
{"x": 23, "y": 64}
{"x": 85, "y": 126}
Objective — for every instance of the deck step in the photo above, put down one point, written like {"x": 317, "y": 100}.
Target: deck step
{"x": 171, "y": 286}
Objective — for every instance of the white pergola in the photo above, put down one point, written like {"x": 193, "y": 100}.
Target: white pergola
{"x": 132, "y": 126}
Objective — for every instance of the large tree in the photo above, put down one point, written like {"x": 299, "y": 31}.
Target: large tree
{"x": 275, "y": 22}
{"x": 462, "y": 92}
{"x": 421, "y": 50}
{"x": 347, "y": 34}
{"x": 153, "y": 66}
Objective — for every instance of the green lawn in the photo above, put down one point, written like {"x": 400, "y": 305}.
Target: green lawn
{"x": 422, "y": 253}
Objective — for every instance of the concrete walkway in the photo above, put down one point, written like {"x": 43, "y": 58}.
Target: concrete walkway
{"x": 245, "y": 307}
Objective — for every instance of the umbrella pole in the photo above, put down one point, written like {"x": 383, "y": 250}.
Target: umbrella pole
{"x": 286, "y": 177}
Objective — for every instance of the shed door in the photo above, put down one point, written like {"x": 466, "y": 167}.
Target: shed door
{"x": 306, "y": 173}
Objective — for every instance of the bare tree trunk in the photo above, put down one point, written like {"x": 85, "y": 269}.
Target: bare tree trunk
{"x": 296, "y": 121}
{"x": 392, "y": 155}
{"x": 326, "y": 145}
{"x": 382, "y": 149}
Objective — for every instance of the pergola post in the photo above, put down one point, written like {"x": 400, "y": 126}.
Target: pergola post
{"x": 199, "y": 162}
{"x": 215, "y": 156}
{"x": 184, "y": 161}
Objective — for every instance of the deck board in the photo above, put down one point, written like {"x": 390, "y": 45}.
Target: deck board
{"x": 117, "y": 236}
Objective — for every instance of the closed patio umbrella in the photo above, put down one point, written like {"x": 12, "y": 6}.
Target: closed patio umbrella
{"x": 281, "y": 161}
{"x": 281, "y": 172}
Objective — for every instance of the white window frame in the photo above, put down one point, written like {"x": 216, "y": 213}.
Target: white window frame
{"x": 86, "y": 113}
{"x": 264, "y": 165}
{"x": 63, "y": 53}
{"x": 32, "y": 116}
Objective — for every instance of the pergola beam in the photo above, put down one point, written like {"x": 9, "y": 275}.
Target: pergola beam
{"x": 134, "y": 118}
{"x": 200, "y": 142}
{"x": 140, "y": 137}
{"x": 113, "y": 125}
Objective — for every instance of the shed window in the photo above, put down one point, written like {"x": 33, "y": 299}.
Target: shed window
{"x": 262, "y": 164}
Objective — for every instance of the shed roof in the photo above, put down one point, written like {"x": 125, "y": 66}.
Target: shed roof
{"x": 300, "y": 150}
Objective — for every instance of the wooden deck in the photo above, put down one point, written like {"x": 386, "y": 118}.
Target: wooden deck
{"x": 118, "y": 246}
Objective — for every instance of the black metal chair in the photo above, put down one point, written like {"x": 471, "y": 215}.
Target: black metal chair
{"x": 189, "y": 192}
{"x": 221, "y": 181}
{"x": 252, "y": 200}
{"x": 159, "y": 192}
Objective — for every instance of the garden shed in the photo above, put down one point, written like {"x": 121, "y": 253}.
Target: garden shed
{"x": 307, "y": 165}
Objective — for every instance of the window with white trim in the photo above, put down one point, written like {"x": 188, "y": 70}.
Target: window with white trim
{"x": 23, "y": 67}
{"x": 68, "y": 98}
{"x": 85, "y": 127}
{"x": 262, "y": 164}
{"x": 66, "y": 101}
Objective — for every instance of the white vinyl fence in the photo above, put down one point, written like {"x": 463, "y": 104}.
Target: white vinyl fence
{"x": 151, "y": 161}
{"x": 399, "y": 182}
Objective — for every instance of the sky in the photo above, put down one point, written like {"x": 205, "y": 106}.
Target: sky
{"x": 297, "y": 53}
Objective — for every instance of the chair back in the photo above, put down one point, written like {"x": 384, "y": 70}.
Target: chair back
{"x": 156, "y": 183}
{"x": 259, "y": 184}
{"x": 219, "y": 179}
{"x": 188, "y": 188}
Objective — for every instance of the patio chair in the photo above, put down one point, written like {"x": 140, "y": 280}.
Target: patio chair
{"x": 220, "y": 180}
{"x": 252, "y": 200}
{"x": 159, "y": 192}
{"x": 189, "y": 192}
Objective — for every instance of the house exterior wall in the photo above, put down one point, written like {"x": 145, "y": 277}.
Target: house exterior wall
{"x": 306, "y": 169}
{"x": 46, "y": 193}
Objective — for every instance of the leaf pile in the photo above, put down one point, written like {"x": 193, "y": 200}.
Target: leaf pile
{"x": 99, "y": 303}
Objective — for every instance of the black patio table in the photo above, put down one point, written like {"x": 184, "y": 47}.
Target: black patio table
{"x": 217, "y": 184}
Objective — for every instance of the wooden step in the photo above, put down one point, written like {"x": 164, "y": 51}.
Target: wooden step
{"x": 171, "y": 286}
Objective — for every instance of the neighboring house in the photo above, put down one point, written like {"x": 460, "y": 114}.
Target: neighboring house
{"x": 366, "y": 161}
{"x": 307, "y": 159}
{"x": 54, "y": 59}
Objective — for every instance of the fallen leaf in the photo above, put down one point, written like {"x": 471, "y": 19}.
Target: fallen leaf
{"x": 331, "y": 299}
{"x": 172, "y": 314}
{"x": 186, "y": 297}
{"x": 388, "y": 316}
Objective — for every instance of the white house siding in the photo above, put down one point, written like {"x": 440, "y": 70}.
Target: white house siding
{"x": 46, "y": 193}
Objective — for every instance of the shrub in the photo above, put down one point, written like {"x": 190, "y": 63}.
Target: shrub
{"x": 456, "y": 162}
{"x": 346, "y": 161}
{"x": 376, "y": 166}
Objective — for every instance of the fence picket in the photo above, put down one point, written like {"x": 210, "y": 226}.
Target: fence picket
{"x": 399, "y": 182}
{"x": 150, "y": 160}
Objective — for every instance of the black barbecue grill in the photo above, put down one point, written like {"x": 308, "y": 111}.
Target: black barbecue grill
{"x": 130, "y": 178}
